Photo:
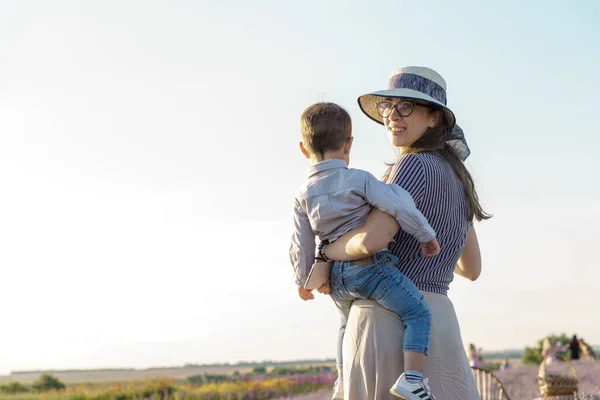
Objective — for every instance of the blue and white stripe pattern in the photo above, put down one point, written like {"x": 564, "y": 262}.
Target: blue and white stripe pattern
{"x": 420, "y": 84}
{"x": 439, "y": 195}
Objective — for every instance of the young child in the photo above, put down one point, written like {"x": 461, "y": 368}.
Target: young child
{"x": 336, "y": 199}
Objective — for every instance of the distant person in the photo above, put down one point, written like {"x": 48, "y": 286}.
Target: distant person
{"x": 414, "y": 114}
{"x": 574, "y": 348}
{"x": 480, "y": 355}
{"x": 474, "y": 357}
{"x": 505, "y": 365}
{"x": 336, "y": 199}
{"x": 587, "y": 352}
{"x": 550, "y": 350}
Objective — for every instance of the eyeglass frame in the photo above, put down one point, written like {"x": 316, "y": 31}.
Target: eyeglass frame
{"x": 395, "y": 107}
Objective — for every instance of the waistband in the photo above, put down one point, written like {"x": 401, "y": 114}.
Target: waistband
{"x": 372, "y": 259}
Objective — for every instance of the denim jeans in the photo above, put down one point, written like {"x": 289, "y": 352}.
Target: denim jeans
{"x": 381, "y": 281}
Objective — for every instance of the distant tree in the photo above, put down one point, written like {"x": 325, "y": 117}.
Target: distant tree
{"x": 196, "y": 379}
{"x": 202, "y": 379}
{"x": 492, "y": 366}
{"x": 533, "y": 355}
{"x": 258, "y": 371}
{"x": 47, "y": 382}
{"x": 13, "y": 387}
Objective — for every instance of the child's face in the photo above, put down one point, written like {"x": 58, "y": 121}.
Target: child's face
{"x": 404, "y": 131}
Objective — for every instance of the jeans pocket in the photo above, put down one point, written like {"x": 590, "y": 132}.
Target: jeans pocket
{"x": 357, "y": 278}
{"x": 336, "y": 272}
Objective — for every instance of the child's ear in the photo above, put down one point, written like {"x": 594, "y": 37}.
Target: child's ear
{"x": 348, "y": 145}
{"x": 303, "y": 150}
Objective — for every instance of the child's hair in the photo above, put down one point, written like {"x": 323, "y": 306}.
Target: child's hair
{"x": 325, "y": 127}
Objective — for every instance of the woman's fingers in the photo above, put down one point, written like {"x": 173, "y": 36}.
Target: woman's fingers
{"x": 325, "y": 288}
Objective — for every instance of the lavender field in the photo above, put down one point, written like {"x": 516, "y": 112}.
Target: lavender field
{"x": 520, "y": 382}
{"x": 280, "y": 383}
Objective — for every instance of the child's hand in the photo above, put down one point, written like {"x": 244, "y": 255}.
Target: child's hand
{"x": 430, "y": 249}
{"x": 305, "y": 294}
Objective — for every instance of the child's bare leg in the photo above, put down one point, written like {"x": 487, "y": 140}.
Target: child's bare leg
{"x": 340, "y": 373}
{"x": 410, "y": 385}
{"x": 414, "y": 361}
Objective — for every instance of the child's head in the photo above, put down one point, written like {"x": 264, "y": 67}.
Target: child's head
{"x": 325, "y": 127}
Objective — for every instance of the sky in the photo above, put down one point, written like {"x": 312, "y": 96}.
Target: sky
{"x": 149, "y": 158}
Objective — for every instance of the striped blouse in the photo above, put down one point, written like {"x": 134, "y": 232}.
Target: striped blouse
{"x": 439, "y": 195}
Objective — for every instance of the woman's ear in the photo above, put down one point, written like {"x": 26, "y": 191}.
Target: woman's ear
{"x": 434, "y": 118}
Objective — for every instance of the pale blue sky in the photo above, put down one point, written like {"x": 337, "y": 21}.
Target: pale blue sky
{"x": 149, "y": 158}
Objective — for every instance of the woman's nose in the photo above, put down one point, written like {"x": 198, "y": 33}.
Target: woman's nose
{"x": 395, "y": 115}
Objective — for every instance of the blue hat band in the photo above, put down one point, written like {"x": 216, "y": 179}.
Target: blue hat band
{"x": 418, "y": 83}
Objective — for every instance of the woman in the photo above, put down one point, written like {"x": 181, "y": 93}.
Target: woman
{"x": 587, "y": 353}
{"x": 505, "y": 364}
{"x": 474, "y": 357}
{"x": 414, "y": 112}
{"x": 550, "y": 350}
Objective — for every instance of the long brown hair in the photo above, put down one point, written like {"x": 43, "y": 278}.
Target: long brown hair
{"x": 434, "y": 141}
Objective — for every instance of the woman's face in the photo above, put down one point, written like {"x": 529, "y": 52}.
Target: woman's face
{"x": 404, "y": 131}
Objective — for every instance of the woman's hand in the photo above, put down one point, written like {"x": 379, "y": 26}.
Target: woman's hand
{"x": 325, "y": 288}
{"x": 469, "y": 263}
{"x": 377, "y": 232}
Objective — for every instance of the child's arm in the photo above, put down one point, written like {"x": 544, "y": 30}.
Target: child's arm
{"x": 393, "y": 200}
{"x": 377, "y": 232}
{"x": 302, "y": 249}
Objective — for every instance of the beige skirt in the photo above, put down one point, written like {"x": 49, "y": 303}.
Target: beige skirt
{"x": 372, "y": 352}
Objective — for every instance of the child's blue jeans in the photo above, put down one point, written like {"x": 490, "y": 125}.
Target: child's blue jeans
{"x": 381, "y": 281}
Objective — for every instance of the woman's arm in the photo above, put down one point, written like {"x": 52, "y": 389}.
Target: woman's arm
{"x": 374, "y": 235}
{"x": 469, "y": 263}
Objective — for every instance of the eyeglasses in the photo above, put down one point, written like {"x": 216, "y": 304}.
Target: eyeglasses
{"x": 404, "y": 108}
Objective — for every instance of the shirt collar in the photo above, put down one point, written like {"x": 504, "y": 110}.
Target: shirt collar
{"x": 326, "y": 165}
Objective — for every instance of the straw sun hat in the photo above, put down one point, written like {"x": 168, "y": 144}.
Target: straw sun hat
{"x": 417, "y": 83}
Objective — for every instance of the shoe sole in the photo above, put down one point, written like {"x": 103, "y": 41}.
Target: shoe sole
{"x": 398, "y": 395}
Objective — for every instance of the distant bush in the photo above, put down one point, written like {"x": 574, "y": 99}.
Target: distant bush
{"x": 47, "y": 382}
{"x": 283, "y": 371}
{"x": 203, "y": 379}
{"x": 492, "y": 366}
{"x": 13, "y": 387}
{"x": 532, "y": 356}
{"x": 258, "y": 371}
